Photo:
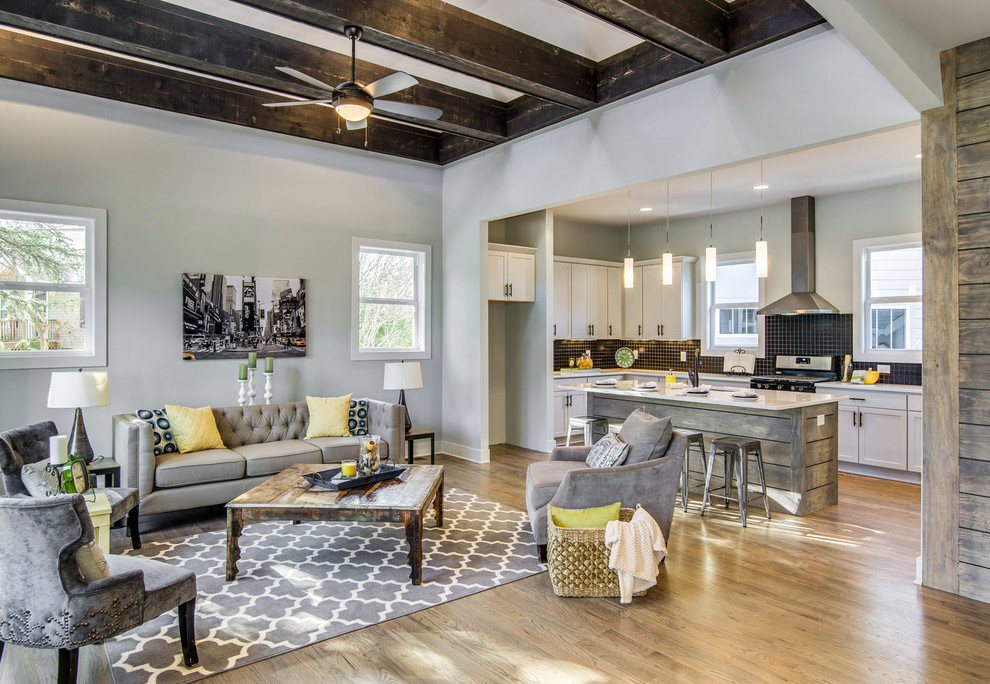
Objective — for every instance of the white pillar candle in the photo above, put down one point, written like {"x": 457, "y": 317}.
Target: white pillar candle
{"x": 58, "y": 449}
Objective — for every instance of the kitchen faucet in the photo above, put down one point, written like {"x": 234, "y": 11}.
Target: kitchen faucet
{"x": 693, "y": 370}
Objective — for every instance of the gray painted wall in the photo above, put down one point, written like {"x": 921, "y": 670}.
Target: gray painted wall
{"x": 184, "y": 194}
{"x": 588, "y": 241}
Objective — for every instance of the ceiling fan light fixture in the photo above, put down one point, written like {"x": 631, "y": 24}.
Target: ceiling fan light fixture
{"x": 353, "y": 106}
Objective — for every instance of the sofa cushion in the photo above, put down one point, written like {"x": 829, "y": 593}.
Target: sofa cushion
{"x": 336, "y": 449}
{"x": 646, "y": 435}
{"x": 268, "y": 458}
{"x": 551, "y": 473}
{"x": 211, "y": 465}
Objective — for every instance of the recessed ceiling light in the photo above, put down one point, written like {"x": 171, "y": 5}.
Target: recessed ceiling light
{"x": 761, "y": 187}
{"x": 918, "y": 156}
{"x": 646, "y": 208}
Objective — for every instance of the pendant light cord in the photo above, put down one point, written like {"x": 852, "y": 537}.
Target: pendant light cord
{"x": 711, "y": 208}
{"x": 762, "y": 189}
{"x": 668, "y": 216}
{"x": 629, "y": 223}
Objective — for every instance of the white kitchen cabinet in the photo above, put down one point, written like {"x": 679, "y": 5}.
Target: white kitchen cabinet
{"x": 848, "y": 433}
{"x": 654, "y": 311}
{"x": 567, "y": 404}
{"x": 561, "y": 300}
{"x": 652, "y": 302}
{"x": 589, "y": 301}
{"x": 632, "y": 307}
{"x": 915, "y": 443}
{"x": 883, "y": 438}
{"x": 613, "y": 312}
{"x": 511, "y": 273}
{"x": 677, "y": 303}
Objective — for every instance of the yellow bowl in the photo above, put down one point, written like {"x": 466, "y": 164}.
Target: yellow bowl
{"x": 871, "y": 377}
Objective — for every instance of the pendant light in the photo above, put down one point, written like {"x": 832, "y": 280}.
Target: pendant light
{"x": 710, "y": 254}
{"x": 668, "y": 258}
{"x": 627, "y": 263}
{"x": 762, "y": 255}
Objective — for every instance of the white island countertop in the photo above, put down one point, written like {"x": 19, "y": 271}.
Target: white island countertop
{"x": 767, "y": 400}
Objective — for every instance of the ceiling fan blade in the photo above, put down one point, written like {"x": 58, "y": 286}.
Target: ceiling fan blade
{"x": 357, "y": 125}
{"x": 392, "y": 83}
{"x": 406, "y": 109}
{"x": 294, "y": 103}
{"x": 307, "y": 79}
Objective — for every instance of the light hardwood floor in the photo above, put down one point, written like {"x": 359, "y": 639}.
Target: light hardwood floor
{"x": 825, "y": 598}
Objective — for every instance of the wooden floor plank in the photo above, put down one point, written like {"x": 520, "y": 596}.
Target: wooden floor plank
{"x": 823, "y": 598}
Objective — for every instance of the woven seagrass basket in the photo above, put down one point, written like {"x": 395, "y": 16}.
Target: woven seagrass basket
{"x": 577, "y": 560}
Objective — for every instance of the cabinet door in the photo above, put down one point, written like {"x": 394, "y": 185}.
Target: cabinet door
{"x": 848, "y": 433}
{"x": 652, "y": 302}
{"x": 883, "y": 438}
{"x": 915, "y": 445}
{"x": 521, "y": 276}
{"x": 559, "y": 414}
{"x": 578, "y": 405}
{"x": 598, "y": 301}
{"x": 580, "y": 320}
{"x": 561, "y": 300}
{"x": 614, "y": 313}
{"x": 632, "y": 307}
{"x": 496, "y": 276}
{"x": 671, "y": 307}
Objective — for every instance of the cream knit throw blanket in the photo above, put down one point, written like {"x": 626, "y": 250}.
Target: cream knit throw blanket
{"x": 637, "y": 547}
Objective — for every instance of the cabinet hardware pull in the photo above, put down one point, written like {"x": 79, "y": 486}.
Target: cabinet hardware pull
{"x": 659, "y": 330}
{"x": 609, "y": 331}
{"x": 857, "y": 399}
{"x": 640, "y": 330}
{"x": 861, "y": 419}
{"x": 510, "y": 289}
{"x": 592, "y": 329}
{"x": 505, "y": 290}
{"x": 554, "y": 329}
{"x": 854, "y": 419}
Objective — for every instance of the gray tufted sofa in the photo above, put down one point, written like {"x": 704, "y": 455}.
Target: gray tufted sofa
{"x": 260, "y": 441}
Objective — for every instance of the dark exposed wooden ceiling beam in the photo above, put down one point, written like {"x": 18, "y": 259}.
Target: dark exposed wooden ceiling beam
{"x": 445, "y": 35}
{"x": 758, "y": 22}
{"x": 173, "y": 35}
{"x": 41, "y": 61}
{"x": 693, "y": 29}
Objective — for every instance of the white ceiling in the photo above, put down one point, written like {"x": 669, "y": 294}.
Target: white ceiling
{"x": 875, "y": 160}
{"x": 946, "y": 23}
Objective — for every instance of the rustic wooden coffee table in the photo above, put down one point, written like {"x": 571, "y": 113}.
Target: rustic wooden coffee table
{"x": 287, "y": 496}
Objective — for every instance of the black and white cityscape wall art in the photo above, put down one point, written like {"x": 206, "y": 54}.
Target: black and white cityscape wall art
{"x": 228, "y": 316}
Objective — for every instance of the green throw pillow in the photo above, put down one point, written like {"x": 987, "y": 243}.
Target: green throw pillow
{"x": 585, "y": 517}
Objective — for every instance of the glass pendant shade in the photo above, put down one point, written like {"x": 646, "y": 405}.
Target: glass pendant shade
{"x": 353, "y": 110}
{"x": 627, "y": 272}
{"x": 762, "y": 259}
{"x": 710, "y": 264}
{"x": 668, "y": 268}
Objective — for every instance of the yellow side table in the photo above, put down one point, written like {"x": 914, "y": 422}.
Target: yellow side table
{"x": 99, "y": 512}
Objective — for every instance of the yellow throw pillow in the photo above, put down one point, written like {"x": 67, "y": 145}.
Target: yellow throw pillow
{"x": 328, "y": 416}
{"x": 585, "y": 517}
{"x": 195, "y": 429}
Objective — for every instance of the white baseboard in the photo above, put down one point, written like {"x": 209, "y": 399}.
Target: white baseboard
{"x": 882, "y": 473}
{"x": 465, "y": 452}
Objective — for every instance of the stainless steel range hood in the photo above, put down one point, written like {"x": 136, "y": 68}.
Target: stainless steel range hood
{"x": 803, "y": 299}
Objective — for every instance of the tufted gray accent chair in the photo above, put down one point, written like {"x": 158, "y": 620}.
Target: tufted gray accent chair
{"x": 29, "y": 444}
{"x": 46, "y": 603}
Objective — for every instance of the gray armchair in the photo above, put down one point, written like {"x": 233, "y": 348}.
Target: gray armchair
{"x": 46, "y": 603}
{"x": 29, "y": 444}
{"x": 651, "y": 478}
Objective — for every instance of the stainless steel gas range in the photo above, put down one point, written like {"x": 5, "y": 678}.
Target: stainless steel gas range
{"x": 798, "y": 373}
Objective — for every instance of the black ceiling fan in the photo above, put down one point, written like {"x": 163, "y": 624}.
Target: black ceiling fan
{"x": 355, "y": 102}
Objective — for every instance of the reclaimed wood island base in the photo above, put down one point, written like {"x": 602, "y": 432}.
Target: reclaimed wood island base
{"x": 798, "y": 432}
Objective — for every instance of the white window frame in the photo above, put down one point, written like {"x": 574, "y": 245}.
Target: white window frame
{"x": 708, "y": 347}
{"x": 93, "y": 292}
{"x": 861, "y": 317}
{"x": 422, "y": 299}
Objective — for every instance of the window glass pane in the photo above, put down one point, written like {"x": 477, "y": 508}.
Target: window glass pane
{"x": 387, "y": 275}
{"x": 736, "y": 327}
{"x": 387, "y": 326}
{"x": 42, "y": 252}
{"x": 41, "y": 321}
{"x": 736, "y": 283}
{"x": 896, "y": 327}
{"x": 895, "y": 272}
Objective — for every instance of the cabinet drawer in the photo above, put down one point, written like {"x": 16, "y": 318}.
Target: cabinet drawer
{"x": 884, "y": 400}
{"x": 914, "y": 402}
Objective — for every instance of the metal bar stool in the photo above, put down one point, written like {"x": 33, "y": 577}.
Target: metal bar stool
{"x": 695, "y": 439}
{"x": 588, "y": 425}
{"x": 735, "y": 452}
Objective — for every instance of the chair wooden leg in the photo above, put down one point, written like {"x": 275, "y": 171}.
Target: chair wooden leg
{"x": 187, "y": 632}
{"x": 1, "y": 651}
{"x": 541, "y": 552}
{"x": 132, "y": 528}
{"x": 68, "y": 665}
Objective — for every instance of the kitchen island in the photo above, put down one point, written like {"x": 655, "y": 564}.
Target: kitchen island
{"x": 798, "y": 432}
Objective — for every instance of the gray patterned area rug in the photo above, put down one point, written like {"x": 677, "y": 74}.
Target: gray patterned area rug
{"x": 300, "y": 584}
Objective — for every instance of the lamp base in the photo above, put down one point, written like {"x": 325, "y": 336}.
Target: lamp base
{"x": 79, "y": 440}
{"x": 402, "y": 403}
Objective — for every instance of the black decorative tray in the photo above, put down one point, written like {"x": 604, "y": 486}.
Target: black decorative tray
{"x": 324, "y": 479}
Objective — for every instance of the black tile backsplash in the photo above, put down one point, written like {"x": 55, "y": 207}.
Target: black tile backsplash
{"x": 816, "y": 334}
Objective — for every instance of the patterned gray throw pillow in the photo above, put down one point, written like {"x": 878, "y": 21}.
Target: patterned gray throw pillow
{"x": 357, "y": 417}
{"x": 608, "y": 451}
{"x": 38, "y": 481}
{"x": 161, "y": 429}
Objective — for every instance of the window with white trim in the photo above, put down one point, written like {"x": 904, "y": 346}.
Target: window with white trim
{"x": 888, "y": 322}
{"x": 391, "y": 300}
{"x": 52, "y": 285}
{"x": 732, "y": 302}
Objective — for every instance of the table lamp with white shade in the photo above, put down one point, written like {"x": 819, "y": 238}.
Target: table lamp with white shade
{"x": 402, "y": 376}
{"x": 78, "y": 390}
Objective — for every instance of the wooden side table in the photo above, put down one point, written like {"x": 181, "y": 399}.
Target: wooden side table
{"x": 99, "y": 512}
{"x": 412, "y": 436}
{"x": 108, "y": 469}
